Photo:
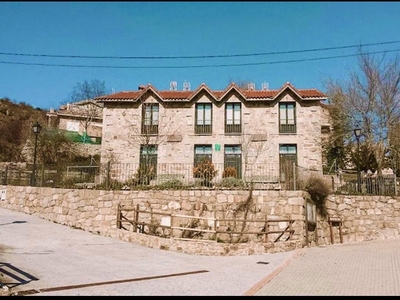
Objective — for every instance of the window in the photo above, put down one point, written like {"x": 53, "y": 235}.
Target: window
{"x": 233, "y": 122}
{"x": 287, "y": 160}
{"x": 287, "y": 118}
{"x": 147, "y": 163}
{"x": 150, "y": 118}
{"x": 203, "y": 118}
{"x": 233, "y": 159}
{"x": 201, "y": 153}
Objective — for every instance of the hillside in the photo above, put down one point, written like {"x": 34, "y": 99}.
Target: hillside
{"x": 16, "y": 120}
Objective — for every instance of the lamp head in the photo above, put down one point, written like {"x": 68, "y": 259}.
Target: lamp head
{"x": 36, "y": 128}
{"x": 357, "y": 132}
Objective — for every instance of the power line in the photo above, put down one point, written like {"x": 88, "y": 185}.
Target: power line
{"x": 195, "y": 66}
{"x": 196, "y": 57}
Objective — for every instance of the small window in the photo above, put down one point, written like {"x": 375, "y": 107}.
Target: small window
{"x": 203, "y": 118}
{"x": 287, "y": 118}
{"x": 233, "y": 122}
{"x": 150, "y": 118}
{"x": 201, "y": 153}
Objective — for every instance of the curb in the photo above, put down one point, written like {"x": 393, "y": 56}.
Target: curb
{"x": 252, "y": 291}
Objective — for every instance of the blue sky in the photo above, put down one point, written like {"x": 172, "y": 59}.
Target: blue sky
{"x": 32, "y": 32}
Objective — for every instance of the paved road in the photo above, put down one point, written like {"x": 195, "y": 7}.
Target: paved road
{"x": 39, "y": 257}
{"x": 370, "y": 268}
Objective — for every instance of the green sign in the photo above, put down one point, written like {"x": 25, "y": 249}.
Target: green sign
{"x": 217, "y": 147}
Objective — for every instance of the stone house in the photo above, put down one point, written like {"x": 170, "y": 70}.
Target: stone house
{"x": 82, "y": 117}
{"x": 237, "y": 127}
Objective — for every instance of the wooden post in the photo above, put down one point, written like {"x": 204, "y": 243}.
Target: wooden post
{"x": 340, "y": 231}
{"x": 215, "y": 226}
{"x": 266, "y": 229}
{"x": 136, "y": 218}
{"x": 331, "y": 230}
{"x": 316, "y": 230}
{"x": 118, "y": 216}
{"x": 306, "y": 221}
{"x": 172, "y": 225}
{"x": 108, "y": 175}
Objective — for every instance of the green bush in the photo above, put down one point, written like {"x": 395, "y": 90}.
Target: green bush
{"x": 232, "y": 182}
{"x": 172, "y": 183}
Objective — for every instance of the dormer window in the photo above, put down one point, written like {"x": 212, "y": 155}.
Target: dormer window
{"x": 287, "y": 117}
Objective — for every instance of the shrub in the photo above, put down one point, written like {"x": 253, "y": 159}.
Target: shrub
{"x": 232, "y": 182}
{"x": 172, "y": 183}
{"x": 145, "y": 173}
{"x": 319, "y": 189}
{"x": 229, "y": 172}
{"x": 206, "y": 171}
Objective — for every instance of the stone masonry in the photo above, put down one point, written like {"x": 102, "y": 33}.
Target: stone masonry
{"x": 122, "y": 130}
{"x": 363, "y": 217}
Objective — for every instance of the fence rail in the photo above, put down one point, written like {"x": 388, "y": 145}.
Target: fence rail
{"x": 212, "y": 229}
{"x": 270, "y": 176}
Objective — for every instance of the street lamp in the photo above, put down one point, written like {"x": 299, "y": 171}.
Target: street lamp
{"x": 36, "y": 130}
{"x": 357, "y": 133}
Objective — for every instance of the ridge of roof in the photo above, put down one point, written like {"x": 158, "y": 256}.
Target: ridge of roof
{"x": 216, "y": 94}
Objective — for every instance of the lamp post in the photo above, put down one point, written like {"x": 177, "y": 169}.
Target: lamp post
{"x": 36, "y": 130}
{"x": 357, "y": 133}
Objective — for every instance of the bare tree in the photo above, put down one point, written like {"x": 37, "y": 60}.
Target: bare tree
{"x": 87, "y": 90}
{"x": 370, "y": 100}
{"x": 80, "y": 103}
{"x": 86, "y": 112}
{"x": 149, "y": 126}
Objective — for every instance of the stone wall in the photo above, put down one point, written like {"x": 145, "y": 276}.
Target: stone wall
{"x": 363, "y": 218}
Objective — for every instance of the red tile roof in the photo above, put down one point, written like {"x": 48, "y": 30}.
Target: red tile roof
{"x": 169, "y": 95}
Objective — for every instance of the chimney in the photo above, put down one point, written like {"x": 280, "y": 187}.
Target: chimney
{"x": 141, "y": 87}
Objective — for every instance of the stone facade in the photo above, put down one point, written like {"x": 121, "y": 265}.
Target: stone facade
{"x": 259, "y": 140}
{"x": 363, "y": 217}
{"x": 76, "y": 116}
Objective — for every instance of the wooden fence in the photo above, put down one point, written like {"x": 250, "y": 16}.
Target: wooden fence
{"x": 146, "y": 222}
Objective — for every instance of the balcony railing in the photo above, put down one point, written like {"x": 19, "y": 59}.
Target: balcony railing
{"x": 233, "y": 128}
{"x": 203, "y": 129}
{"x": 287, "y": 128}
{"x": 149, "y": 129}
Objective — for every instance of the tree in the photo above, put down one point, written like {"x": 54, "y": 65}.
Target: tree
{"x": 87, "y": 90}
{"x": 82, "y": 104}
{"x": 150, "y": 125}
{"x": 55, "y": 147}
{"x": 370, "y": 100}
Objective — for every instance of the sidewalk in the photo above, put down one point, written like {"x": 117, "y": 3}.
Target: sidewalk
{"x": 39, "y": 257}
{"x": 370, "y": 268}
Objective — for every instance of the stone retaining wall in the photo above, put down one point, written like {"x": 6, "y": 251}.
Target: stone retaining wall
{"x": 363, "y": 218}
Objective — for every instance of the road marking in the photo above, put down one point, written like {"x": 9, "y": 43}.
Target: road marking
{"x": 69, "y": 287}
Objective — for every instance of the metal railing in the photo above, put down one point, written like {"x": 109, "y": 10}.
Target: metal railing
{"x": 269, "y": 176}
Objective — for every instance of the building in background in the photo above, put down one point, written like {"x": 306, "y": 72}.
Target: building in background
{"x": 82, "y": 120}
